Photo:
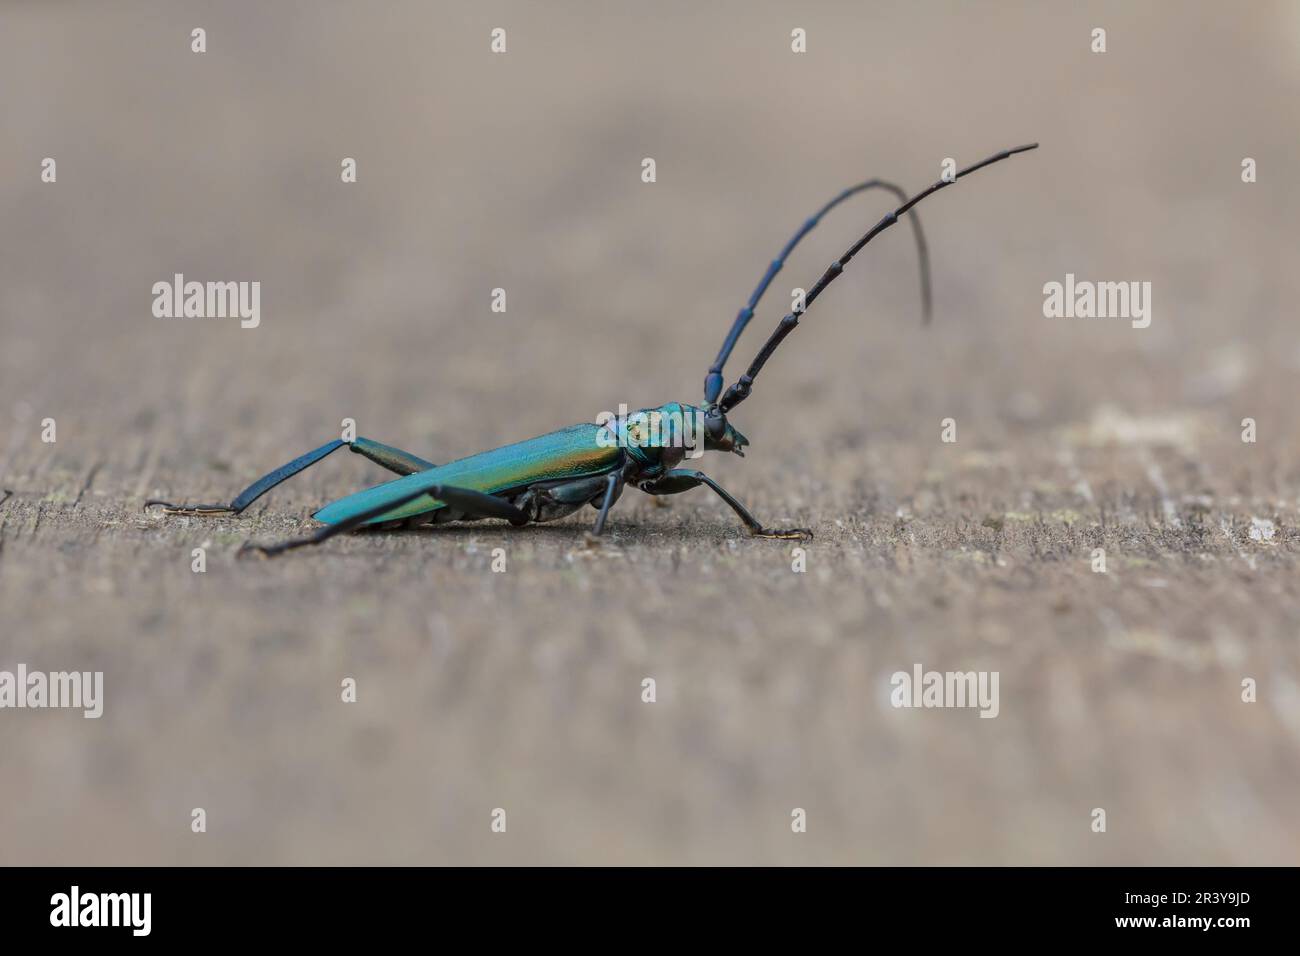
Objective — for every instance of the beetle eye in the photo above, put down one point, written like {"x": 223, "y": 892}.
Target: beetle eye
{"x": 715, "y": 423}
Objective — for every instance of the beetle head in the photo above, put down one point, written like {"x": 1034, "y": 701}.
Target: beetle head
{"x": 719, "y": 434}
{"x": 665, "y": 435}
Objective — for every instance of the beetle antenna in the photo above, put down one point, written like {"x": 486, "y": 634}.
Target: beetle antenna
{"x": 740, "y": 391}
{"x": 713, "y": 381}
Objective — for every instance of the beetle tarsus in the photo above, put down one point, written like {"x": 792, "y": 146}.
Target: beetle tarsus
{"x": 191, "y": 510}
{"x": 798, "y": 534}
{"x": 252, "y": 548}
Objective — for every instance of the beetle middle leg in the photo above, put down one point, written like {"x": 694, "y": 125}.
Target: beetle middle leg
{"x": 386, "y": 456}
{"x": 550, "y": 500}
{"x": 613, "y": 488}
{"x": 681, "y": 479}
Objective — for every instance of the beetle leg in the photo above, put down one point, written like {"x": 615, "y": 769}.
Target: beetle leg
{"x": 549, "y": 500}
{"x": 680, "y": 479}
{"x": 394, "y": 459}
{"x": 477, "y": 504}
{"x": 613, "y": 485}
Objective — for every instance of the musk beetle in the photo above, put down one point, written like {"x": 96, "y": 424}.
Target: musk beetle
{"x": 553, "y": 475}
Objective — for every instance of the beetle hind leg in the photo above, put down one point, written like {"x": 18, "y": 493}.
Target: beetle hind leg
{"x": 394, "y": 459}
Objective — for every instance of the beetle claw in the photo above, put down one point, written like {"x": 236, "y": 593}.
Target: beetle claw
{"x": 248, "y": 548}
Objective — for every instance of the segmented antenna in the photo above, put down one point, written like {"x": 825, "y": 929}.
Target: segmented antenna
{"x": 713, "y": 381}
{"x": 740, "y": 391}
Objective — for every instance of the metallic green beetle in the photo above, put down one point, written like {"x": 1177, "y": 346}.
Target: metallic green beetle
{"x": 553, "y": 475}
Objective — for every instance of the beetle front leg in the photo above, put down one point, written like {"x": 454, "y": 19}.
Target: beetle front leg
{"x": 680, "y": 479}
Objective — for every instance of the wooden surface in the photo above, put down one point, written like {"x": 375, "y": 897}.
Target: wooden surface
{"x": 522, "y": 689}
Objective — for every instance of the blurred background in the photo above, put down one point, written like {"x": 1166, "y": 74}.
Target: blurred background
{"x": 522, "y": 690}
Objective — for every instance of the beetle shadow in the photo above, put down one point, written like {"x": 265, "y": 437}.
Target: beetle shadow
{"x": 459, "y": 531}
{"x": 570, "y": 532}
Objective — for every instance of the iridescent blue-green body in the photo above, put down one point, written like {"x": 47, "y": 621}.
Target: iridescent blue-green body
{"x": 546, "y": 477}
{"x": 552, "y": 475}
{"x": 508, "y": 471}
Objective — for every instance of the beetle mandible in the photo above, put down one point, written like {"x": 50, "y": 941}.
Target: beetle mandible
{"x": 553, "y": 475}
